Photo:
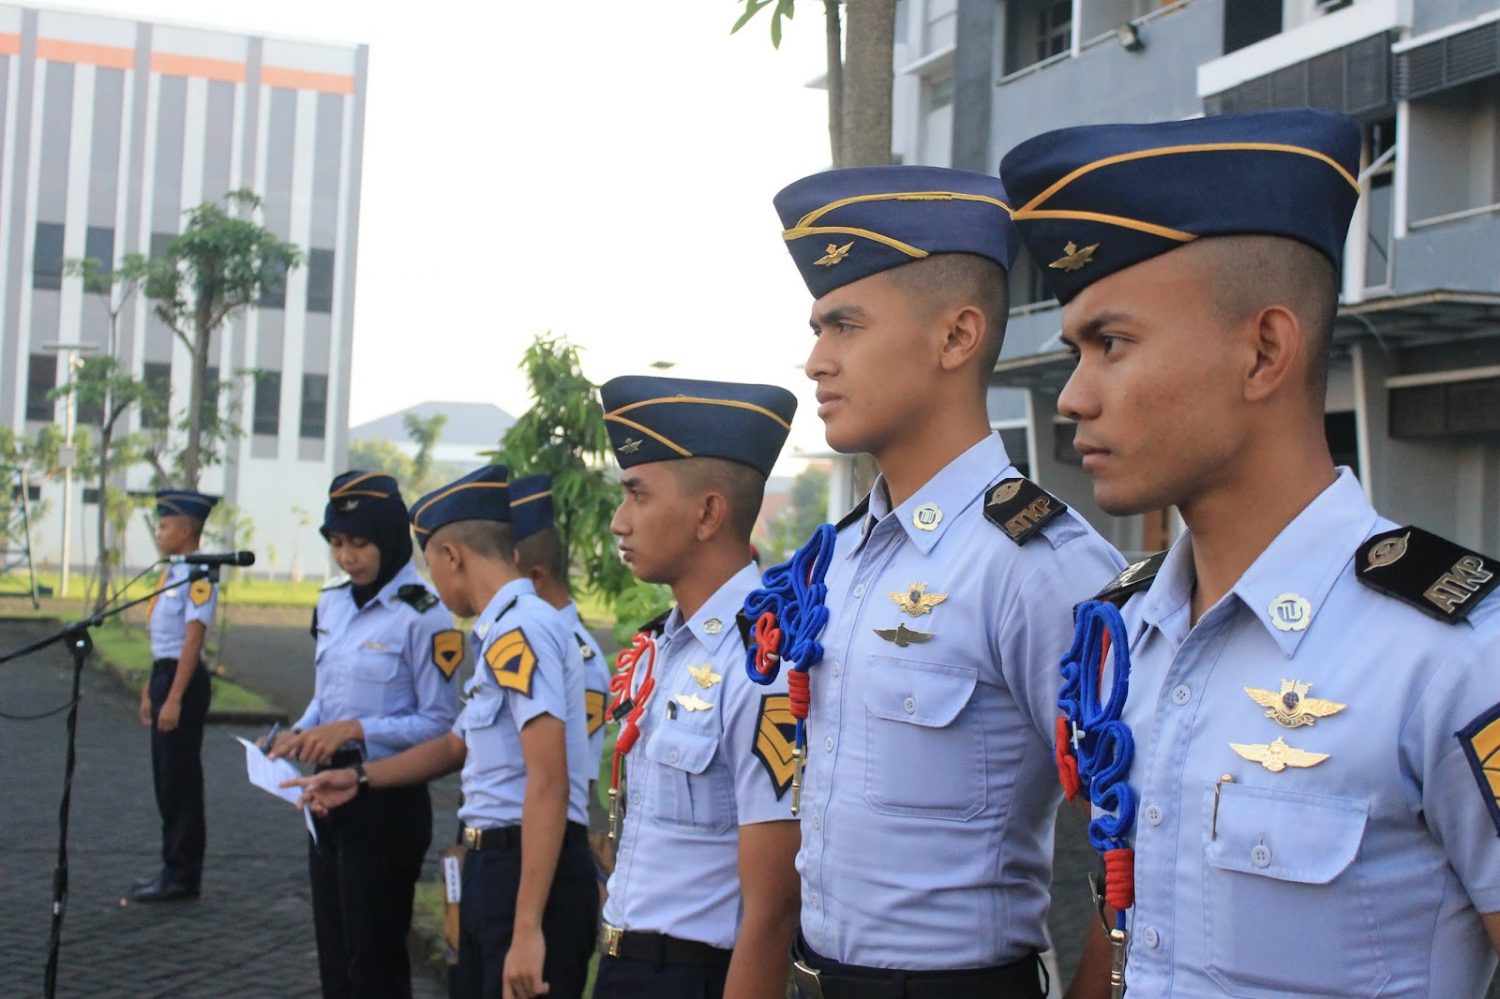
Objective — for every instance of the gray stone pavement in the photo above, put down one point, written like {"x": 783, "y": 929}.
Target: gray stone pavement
{"x": 251, "y": 932}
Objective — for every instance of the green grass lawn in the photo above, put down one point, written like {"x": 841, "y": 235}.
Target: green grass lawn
{"x": 236, "y": 588}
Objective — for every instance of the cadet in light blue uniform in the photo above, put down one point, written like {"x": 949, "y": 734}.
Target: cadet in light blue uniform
{"x": 529, "y": 905}
{"x": 542, "y": 559}
{"x": 385, "y": 656}
{"x": 704, "y": 893}
{"x": 175, "y": 701}
{"x": 927, "y": 816}
{"x": 1311, "y": 690}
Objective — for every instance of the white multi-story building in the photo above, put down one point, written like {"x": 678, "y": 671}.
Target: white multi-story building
{"x": 1414, "y": 386}
{"x": 109, "y": 130}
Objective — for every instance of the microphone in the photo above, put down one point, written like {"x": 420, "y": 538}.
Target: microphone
{"x": 227, "y": 558}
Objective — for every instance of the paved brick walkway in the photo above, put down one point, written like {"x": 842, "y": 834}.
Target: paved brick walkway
{"x": 249, "y": 935}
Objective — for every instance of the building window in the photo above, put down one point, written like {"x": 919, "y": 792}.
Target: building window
{"x": 159, "y": 241}
{"x": 99, "y": 246}
{"x": 41, "y": 378}
{"x": 158, "y": 378}
{"x": 91, "y": 495}
{"x": 1028, "y": 285}
{"x": 46, "y": 262}
{"x": 273, "y": 289}
{"x": 1055, "y": 29}
{"x": 1249, "y": 21}
{"x": 266, "y": 418}
{"x": 320, "y": 281}
{"x": 314, "y": 406}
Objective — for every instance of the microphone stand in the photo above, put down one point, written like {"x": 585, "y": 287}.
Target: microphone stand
{"x": 80, "y": 644}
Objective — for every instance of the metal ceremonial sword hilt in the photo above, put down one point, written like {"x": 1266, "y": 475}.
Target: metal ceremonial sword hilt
{"x": 799, "y": 756}
{"x": 614, "y": 814}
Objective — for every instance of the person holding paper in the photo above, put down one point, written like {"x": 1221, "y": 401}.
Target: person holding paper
{"x": 529, "y": 903}
{"x": 386, "y": 655}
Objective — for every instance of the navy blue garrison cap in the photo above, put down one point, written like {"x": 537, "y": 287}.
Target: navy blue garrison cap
{"x": 480, "y": 495}
{"x": 357, "y": 499}
{"x": 662, "y": 419}
{"x": 844, "y": 225}
{"x": 184, "y": 503}
{"x": 1093, "y": 200}
{"x": 530, "y": 505}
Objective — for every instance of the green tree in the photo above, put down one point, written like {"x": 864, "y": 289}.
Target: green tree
{"x": 217, "y": 268}
{"x": 563, "y": 435}
{"x": 380, "y": 455}
{"x": 794, "y": 525}
{"x": 424, "y": 433}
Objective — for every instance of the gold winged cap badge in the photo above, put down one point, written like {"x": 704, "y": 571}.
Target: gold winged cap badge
{"x": 1073, "y": 257}
{"x": 835, "y": 254}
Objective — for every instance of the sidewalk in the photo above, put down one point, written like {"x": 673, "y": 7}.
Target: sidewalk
{"x": 249, "y": 935}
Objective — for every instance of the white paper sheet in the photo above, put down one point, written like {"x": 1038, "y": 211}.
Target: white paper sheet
{"x": 267, "y": 774}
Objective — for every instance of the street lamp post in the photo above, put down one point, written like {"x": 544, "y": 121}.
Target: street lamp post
{"x": 68, "y": 455}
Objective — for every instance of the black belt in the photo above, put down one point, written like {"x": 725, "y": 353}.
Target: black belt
{"x": 162, "y": 664}
{"x": 818, "y": 977}
{"x": 509, "y": 837}
{"x": 660, "y": 949}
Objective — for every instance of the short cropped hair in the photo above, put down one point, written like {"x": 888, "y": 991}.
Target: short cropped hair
{"x": 957, "y": 279}
{"x": 1253, "y": 272}
{"x": 489, "y": 539}
{"x": 742, "y": 486}
{"x": 544, "y": 549}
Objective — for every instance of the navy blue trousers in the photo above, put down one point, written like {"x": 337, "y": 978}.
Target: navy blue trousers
{"x": 177, "y": 773}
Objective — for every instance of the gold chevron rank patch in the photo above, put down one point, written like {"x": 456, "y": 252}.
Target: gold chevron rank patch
{"x": 1481, "y": 742}
{"x": 512, "y": 661}
{"x": 775, "y": 738}
{"x": 593, "y": 706}
{"x": 447, "y": 651}
{"x": 200, "y": 591}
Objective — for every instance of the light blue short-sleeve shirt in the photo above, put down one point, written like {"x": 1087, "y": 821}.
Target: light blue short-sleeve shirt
{"x": 714, "y": 755}
{"x": 171, "y": 611}
{"x": 1346, "y": 847}
{"x": 928, "y": 803}
{"x": 526, "y": 664}
{"x": 389, "y": 664}
{"x": 595, "y": 679}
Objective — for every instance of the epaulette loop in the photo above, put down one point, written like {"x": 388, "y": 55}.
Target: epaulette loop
{"x": 1431, "y": 573}
{"x": 1135, "y": 577}
{"x": 337, "y": 582}
{"x": 418, "y": 596}
{"x": 1021, "y": 508}
{"x": 855, "y": 515}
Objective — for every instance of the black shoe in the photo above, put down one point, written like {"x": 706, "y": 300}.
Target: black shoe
{"x": 145, "y": 882}
{"x": 162, "y": 889}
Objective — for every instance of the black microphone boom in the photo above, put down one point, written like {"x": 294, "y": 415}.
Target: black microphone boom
{"x": 227, "y": 558}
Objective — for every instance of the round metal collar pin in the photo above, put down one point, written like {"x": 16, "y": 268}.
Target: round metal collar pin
{"x": 927, "y": 517}
{"x": 1290, "y": 612}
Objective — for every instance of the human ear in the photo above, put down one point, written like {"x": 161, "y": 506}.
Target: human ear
{"x": 965, "y": 332}
{"x": 1279, "y": 346}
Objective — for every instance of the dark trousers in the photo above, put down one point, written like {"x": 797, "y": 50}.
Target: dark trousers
{"x": 177, "y": 773}
{"x": 620, "y": 978}
{"x": 364, "y": 869}
{"x": 487, "y": 915}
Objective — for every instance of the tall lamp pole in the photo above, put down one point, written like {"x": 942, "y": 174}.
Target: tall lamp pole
{"x": 68, "y": 456}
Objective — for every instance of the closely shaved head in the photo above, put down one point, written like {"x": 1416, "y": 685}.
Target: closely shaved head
{"x": 1251, "y": 273}
{"x": 948, "y": 280}
{"x": 742, "y": 486}
{"x": 543, "y": 550}
{"x": 489, "y": 539}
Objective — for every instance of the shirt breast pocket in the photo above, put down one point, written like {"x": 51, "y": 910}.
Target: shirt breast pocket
{"x": 1286, "y": 908}
{"x": 922, "y": 756}
{"x": 374, "y": 688}
{"x": 686, "y": 794}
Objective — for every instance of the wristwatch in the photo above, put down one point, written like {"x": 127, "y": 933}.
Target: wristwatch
{"x": 359, "y": 773}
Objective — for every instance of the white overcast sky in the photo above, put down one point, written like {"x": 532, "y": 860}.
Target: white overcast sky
{"x": 596, "y": 168}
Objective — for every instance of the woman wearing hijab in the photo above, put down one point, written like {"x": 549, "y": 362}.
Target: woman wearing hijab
{"x": 386, "y": 655}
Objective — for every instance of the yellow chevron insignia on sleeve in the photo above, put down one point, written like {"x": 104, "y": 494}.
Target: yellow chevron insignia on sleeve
{"x": 774, "y": 739}
{"x": 512, "y": 661}
{"x": 1481, "y": 742}
{"x": 593, "y": 703}
{"x": 448, "y": 651}
{"x": 200, "y": 592}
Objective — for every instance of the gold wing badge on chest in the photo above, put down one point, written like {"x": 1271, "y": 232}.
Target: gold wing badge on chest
{"x": 904, "y": 636}
{"x": 916, "y": 601}
{"x": 1290, "y": 707}
{"x": 704, "y": 675}
{"x": 1277, "y": 756}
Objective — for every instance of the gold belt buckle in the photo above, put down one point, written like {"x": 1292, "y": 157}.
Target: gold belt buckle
{"x": 612, "y": 937}
{"x": 472, "y": 837}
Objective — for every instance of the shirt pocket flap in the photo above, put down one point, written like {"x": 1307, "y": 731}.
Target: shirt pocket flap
{"x": 1286, "y": 835}
{"x": 481, "y": 710}
{"x": 918, "y": 693}
{"x": 681, "y": 749}
{"x": 376, "y": 665}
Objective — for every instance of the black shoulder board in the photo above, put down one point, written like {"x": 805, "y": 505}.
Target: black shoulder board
{"x": 854, "y": 516}
{"x": 419, "y": 596}
{"x": 656, "y": 624}
{"x": 1431, "y": 573}
{"x": 745, "y": 625}
{"x": 1136, "y": 577}
{"x": 337, "y": 583}
{"x": 312, "y": 629}
{"x": 1021, "y": 508}
{"x": 584, "y": 648}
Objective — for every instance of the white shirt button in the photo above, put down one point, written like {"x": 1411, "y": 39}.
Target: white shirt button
{"x": 812, "y": 900}
{"x": 817, "y": 822}
{"x": 1260, "y": 856}
{"x": 1150, "y": 937}
{"x": 1153, "y": 814}
{"x": 1181, "y": 694}
{"x": 836, "y": 667}
{"x": 672, "y": 756}
{"x": 859, "y": 590}
{"x": 635, "y": 799}
{"x": 910, "y": 704}
{"x": 828, "y": 743}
